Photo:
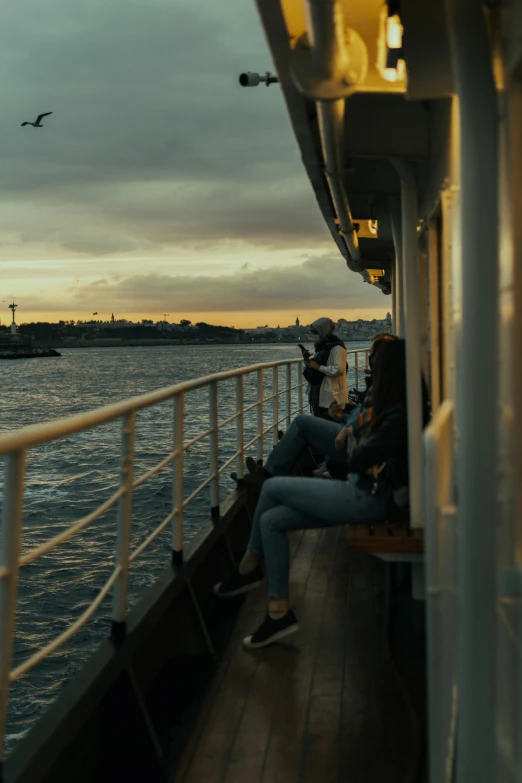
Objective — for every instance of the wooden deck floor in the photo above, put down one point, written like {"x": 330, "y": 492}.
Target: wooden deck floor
{"x": 323, "y": 706}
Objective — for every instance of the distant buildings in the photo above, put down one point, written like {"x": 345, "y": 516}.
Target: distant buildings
{"x": 347, "y": 330}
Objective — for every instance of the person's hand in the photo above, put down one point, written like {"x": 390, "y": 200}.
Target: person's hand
{"x": 335, "y": 411}
{"x": 341, "y": 438}
{"x": 313, "y": 365}
{"x": 375, "y": 470}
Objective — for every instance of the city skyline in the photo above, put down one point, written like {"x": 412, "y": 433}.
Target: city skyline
{"x": 160, "y": 186}
{"x": 158, "y": 317}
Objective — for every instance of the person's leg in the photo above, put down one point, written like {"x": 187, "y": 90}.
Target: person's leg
{"x": 295, "y": 504}
{"x": 299, "y": 503}
{"x": 303, "y": 432}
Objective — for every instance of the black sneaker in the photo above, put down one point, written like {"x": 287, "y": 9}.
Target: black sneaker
{"x": 272, "y": 630}
{"x": 237, "y": 584}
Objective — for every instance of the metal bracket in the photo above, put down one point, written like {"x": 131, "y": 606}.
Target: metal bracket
{"x": 306, "y": 69}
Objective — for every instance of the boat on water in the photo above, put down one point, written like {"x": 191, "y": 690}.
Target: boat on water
{"x": 407, "y": 665}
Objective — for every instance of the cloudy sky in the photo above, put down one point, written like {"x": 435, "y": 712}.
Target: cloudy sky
{"x": 158, "y": 185}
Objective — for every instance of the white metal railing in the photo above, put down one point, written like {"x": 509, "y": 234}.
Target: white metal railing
{"x": 15, "y": 445}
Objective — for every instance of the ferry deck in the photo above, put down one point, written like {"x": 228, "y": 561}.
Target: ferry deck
{"x": 408, "y": 117}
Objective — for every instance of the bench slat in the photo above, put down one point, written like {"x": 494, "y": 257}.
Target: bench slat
{"x": 384, "y": 538}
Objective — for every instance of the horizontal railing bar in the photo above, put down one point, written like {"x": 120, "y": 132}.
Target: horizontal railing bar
{"x": 38, "y": 434}
{"x": 156, "y": 469}
{"x": 227, "y": 421}
{"x": 70, "y": 631}
{"x": 155, "y": 533}
{"x": 251, "y": 407}
{"x": 197, "y": 491}
{"x": 229, "y": 462}
{"x": 251, "y": 442}
{"x": 196, "y": 439}
{"x": 72, "y": 530}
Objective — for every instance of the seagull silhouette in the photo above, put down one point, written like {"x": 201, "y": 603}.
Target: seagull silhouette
{"x": 37, "y": 123}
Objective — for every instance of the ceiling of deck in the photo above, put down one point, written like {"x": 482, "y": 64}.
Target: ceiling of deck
{"x": 381, "y": 122}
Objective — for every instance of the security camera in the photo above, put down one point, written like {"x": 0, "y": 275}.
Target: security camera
{"x": 250, "y": 79}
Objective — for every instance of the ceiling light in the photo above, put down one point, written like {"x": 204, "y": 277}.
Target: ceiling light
{"x": 393, "y": 32}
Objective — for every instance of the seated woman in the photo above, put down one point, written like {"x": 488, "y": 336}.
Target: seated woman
{"x": 325, "y": 370}
{"x": 368, "y": 496}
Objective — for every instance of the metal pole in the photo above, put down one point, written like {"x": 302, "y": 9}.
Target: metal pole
{"x": 288, "y": 394}
{"x": 9, "y": 555}
{"x": 177, "y": 480}
{"x": 356, "y": 357}
{"x": 260, "y": 395}
{"x": 300, "y": 383}
{"x": 214, "y": 451}
{"x": 478, "y": 360}
{"x": 410, "y": 275}
{"x": 240, "y": 426}
{"x": 398, "y": 272}
{"x": 275, "y": 403}
{"x": 119, "y": 599}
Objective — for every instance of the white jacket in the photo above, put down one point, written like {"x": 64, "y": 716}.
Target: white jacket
{"x": 334, "y": 383}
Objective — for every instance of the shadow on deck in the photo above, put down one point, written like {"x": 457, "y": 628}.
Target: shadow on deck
{"x": 326, "y": 705}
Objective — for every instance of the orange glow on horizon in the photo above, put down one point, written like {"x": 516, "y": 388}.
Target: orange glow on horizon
{"x": 239, "y": 319}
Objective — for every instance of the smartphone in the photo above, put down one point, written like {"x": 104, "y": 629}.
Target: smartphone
{"x": 303, "y": 349}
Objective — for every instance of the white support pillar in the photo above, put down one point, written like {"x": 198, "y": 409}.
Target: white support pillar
{"x": 409, "y": 269}
{"x": 477, "y": 502}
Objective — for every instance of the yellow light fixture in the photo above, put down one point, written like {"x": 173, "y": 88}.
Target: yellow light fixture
{"x": 390, "y": 64}
{"x": 376, "y": 272}
{"x": 393, "y": 32}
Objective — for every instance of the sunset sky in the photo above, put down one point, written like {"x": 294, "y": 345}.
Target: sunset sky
{"x": 157, "y": 185}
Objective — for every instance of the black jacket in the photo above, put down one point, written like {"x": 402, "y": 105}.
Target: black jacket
{"x": 388, "y": 443}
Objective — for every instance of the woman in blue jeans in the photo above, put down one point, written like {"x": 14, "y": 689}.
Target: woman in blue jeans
{"x": 368, "y": 496}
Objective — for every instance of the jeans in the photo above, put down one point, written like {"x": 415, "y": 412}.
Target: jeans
{"x": 288, "y": 503}
{"x": 304, "y": 431}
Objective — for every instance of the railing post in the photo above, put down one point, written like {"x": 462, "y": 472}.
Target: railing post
{"x": 9, "y": 557}
{"x": 356, "y": 369}
{"x": 275, "y": 403}
{"x": 300, "y": 385}
{"x": 214, "y": 451}
{"x": 240, "y": 422}
{"x": 119, "y": 598}
{"x": 260, "y": 395}
{"x": 288, "y": 394}
{"x": 177, "y": 480}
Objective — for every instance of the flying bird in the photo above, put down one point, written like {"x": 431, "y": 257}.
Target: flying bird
{"x": 96, "y": 313}
{"x": 37, "y": 123}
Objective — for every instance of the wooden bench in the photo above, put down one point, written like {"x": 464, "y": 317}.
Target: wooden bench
{"x": 385, "y": 538}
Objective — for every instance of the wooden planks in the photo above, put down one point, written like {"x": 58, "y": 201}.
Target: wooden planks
{"x": 322, "y": 705}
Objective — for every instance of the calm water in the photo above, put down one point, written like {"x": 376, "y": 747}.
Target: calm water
{"x": 70, "y": 478}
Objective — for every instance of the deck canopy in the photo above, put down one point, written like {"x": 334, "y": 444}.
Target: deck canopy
{"x": 364, "y": 82}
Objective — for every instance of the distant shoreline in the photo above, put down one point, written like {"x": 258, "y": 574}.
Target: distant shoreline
{"x": 155, "y": 343}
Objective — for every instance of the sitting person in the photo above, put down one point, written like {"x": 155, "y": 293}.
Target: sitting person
{"x": 325, "y": 369}
{"x": 288, "y": 504}
{"x": 318, "y": 434}
{"x": 332, "y": 467}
